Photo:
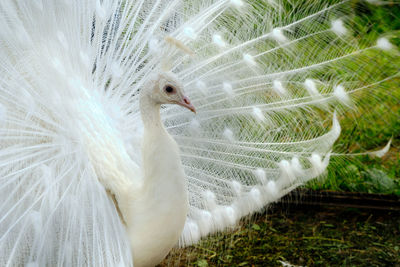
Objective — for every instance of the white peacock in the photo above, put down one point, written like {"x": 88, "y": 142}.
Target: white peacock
{"x": 95, "y": 171}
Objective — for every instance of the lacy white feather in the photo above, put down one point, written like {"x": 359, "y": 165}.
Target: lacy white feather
{"x": 266, "y": 82}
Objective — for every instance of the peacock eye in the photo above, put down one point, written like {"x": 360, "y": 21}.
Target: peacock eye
{"x": 169, "y": 89}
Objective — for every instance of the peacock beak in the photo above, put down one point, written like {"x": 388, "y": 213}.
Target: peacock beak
{"x": 185, "y": 102}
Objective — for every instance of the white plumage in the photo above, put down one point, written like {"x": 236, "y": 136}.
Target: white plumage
{"x": 93, "y": 173}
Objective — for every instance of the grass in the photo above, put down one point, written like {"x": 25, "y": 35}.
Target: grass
{"x": 376, "y": 121}
{"x": 330, "y": 236}
{"x": 303, "y": 237}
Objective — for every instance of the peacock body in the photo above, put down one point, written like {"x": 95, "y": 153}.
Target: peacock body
{"x": 93, "y": 175}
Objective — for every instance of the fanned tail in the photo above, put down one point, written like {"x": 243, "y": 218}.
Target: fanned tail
{"x": 53, "y": 211}
{"x": 269, "y": 79}
{"x": 268, "y": 84}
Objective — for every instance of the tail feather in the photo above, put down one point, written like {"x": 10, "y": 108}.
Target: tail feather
{"x": 53, "y": 209}
{"x": 269, "y": 80}
{"x": 265, "y": 98}
{"x": 58, "y": 214}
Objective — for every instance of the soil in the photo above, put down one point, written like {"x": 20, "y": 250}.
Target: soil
{"x": 299, "y": 235}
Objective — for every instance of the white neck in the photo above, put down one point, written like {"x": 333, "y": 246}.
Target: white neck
{"x": 150, "y": 112}
{"x": 159, "y": 213}
{"x": 154, "y": 135}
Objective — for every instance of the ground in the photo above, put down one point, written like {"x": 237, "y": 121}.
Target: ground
{"x": 319, "y": 236}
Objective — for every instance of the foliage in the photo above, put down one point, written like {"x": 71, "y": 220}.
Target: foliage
{"x": 370, "y": 129}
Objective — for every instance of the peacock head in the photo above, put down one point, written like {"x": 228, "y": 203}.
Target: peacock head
{"x": 167, "y": 89}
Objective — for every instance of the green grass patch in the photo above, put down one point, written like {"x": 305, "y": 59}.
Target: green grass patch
{"x": 377, "y": 118}
{"x": 312, "y": 237}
